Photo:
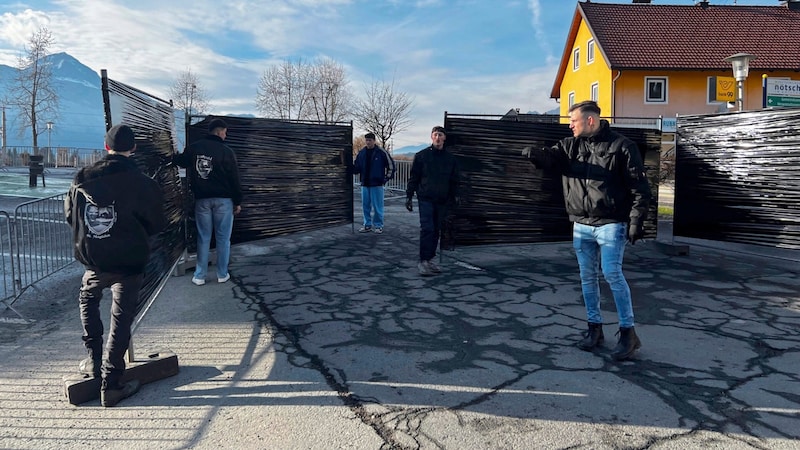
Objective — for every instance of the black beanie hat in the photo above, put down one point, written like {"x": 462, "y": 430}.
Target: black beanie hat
{"x": 120, "y": 138}
{"x": 369, "y": 136}
{"x": 216, "y": 123}
{"x": 439, "y": 129}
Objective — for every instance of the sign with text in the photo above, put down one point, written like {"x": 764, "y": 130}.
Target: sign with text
{"x": 783, "y": 93}
{"x": 726, "y": 89}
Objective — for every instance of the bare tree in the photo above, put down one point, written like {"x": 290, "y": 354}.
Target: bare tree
{"x": 188, "y": 95}
{"x": 284, "y": 90}
{"x": 383, "y": 111}
{"x": 32, "y": 90}
{"x": 330, "y": 97}
{"x": 304, "y": 91}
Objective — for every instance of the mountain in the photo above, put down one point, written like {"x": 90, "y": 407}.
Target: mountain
{"x": 80, "y": 121}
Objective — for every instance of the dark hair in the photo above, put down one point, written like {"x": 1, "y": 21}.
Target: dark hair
{"x": 439, "y": 129}
{"x": 216, "y": 123}
{"x": 369, "y": 136}
{"x": 586, "y": 106}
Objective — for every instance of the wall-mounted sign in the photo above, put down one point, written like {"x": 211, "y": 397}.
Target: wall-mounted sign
{"x": 783, "y": 93}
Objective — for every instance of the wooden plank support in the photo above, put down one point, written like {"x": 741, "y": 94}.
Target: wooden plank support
{"x": 81, "y": 388}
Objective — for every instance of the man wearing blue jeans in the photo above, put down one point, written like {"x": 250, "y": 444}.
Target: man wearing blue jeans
{"x": 606, "y": 195}
{"x": 376, "y": 167}
{"x": 213, "y": 175}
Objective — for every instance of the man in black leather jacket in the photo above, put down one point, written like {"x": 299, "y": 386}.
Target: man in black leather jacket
{"x": 606, "y": 194}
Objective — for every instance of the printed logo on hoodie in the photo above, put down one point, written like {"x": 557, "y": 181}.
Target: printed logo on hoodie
{"x": 99, "y": 220}
{"x": 204, "y": 165}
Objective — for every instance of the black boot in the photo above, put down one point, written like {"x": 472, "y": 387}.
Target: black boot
{"x": 627, "y": 345}
{"x": 593, "y": 337}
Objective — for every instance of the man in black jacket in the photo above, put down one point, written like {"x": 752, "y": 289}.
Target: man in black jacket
{"x": 214, "y": 179}
{"x": 113, "y": 209}
{"x": 606, "y": 195}
{"x": 434, "y": 177}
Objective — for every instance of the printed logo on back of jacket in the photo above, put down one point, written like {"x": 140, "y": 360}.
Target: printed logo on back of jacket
{"x": 100, "y": 220}
{"x": 204, "y": 166}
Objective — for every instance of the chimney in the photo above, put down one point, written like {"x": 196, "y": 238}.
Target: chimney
{"x": 702, "y": 3}
{"x": 641, "y": 1}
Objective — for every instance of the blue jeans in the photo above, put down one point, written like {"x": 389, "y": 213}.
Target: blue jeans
{"x": 430, "y": 222}
{"x": 213, "y": 214}
{"x": 372, "y": 204}
{"x": 597, "y": 248}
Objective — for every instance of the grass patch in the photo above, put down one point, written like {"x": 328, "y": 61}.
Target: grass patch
{"x": 665, "y": 211}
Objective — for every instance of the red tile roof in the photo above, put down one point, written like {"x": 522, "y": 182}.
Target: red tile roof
{"x": 648, "y": 36}
{"x": 687, "y": 37}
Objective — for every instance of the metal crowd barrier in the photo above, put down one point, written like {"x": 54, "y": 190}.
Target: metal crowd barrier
{"x": 40, "y": 244}
{"x": 400, "y": 180}
{"x": 7, "y": 261}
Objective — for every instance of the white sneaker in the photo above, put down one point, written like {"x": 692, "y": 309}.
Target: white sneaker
{"x": 365, "y": 229}
{"x": 378, "y": 230}
{"x": 423, "y": 268}
{"x": 433, "y": 267}
{"x": 224, "y": 279}
{"x": 198, "y": 281}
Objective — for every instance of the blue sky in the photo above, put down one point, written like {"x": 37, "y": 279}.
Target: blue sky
{"x": 460, "y": 56}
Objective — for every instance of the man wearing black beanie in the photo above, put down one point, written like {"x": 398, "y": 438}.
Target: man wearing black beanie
{"x": 113, "y": 209}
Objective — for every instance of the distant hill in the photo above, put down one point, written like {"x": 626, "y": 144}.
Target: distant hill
{"x": 80, "y": 122}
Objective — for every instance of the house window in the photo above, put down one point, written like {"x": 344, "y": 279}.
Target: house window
{"x": 595, "y": 91}
{"x": 571, "y": 100}
{"x": 576, "y": 59}
{"x": 590, "y": 51}
{"x": 655, "y": 90}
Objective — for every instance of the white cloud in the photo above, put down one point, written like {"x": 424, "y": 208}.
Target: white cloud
{"x": 147, "y": 43}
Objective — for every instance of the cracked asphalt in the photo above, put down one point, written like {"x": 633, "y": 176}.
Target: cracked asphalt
{"x": 331, "y": 340}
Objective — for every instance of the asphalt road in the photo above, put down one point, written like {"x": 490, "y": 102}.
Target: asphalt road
{"x": 331, "y": 340}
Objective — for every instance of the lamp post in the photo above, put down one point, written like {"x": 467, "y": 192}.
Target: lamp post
{"x": 189, "y": 106}
{"x": 49, "y": 148}
{"x": 741, "y": 66}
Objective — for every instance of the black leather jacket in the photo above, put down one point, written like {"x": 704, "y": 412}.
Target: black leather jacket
{"x": 603, "y": 177}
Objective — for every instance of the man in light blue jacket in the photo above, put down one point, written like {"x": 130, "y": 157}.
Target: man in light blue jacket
{"x": 376, "y": 167}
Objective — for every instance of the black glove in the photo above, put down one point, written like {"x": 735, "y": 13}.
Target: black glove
{"x": 635, "y": 232}
{"x": 409, "y": 204}
{"x": 526, "y": 152}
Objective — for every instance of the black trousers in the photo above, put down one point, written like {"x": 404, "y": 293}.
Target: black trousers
{"x": 124, "y": 298}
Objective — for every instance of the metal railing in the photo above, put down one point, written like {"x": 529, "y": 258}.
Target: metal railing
{"x": 6, "y": 259}
{"x": 400, "y": 180}
{"x": 35, "y": 243}
{"x": 19, "y": 156}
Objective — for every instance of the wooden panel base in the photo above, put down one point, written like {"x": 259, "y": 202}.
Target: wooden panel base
{"x": 81, "y": 388}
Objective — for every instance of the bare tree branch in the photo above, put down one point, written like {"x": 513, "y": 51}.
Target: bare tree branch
{"x": 189, "y": 95}
{"x": 32, "y": 91}
{"x": 330, "y": 96}
{"x": 304, "y": 91}
{"x": 384, "y": 111}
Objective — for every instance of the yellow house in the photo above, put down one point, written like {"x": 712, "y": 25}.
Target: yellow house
{"x": 645, "y": 60}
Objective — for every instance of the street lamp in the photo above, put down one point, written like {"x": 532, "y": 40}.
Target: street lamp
{"x": 49, "y": 148}
{"x": 741, "y": 66}
{"x": 189, "y": 106}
